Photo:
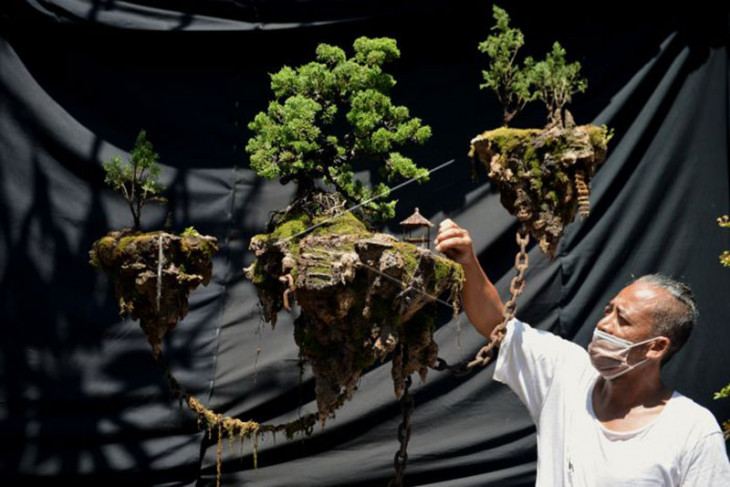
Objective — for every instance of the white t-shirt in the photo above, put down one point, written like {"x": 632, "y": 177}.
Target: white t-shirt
{"x": 554, "y": 378}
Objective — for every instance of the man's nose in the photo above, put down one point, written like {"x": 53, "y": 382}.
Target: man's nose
{"x": 604, "y": 324}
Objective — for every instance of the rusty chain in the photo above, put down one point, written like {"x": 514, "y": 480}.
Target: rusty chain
{"x": 404, "y": 435}
{"x": 517, "y": 285}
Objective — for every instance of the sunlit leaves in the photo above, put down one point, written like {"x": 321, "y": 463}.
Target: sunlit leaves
{"x": 333, "y": 113}
{"x": 552, "y": 80}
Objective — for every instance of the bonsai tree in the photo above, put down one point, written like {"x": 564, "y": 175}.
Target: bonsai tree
{"x": 362, "y": 295}
{"x": 153, "y": 272}
{"x": 552, "y": 80}
{"x": 332, "y": 114}
{"x": 509, "y": 82}
{"x": 136, "y": 179}
{"x": 555, "y": 83}
{"x": 543, "y": 174}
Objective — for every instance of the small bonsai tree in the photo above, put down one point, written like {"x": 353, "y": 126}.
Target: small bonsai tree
{"x": 552, "y": 80}
{"x": 509, "y": 82}
{"x": 543, "y": 174}
{"x": 555, "y": 83}
{"x": 332, "y": 114}
{"x": 136, "y": 179}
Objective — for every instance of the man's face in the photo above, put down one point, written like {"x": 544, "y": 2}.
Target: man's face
{"x": 630, "y": 314}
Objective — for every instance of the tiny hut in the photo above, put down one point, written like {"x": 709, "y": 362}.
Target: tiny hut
{"x": 417, "y": 230}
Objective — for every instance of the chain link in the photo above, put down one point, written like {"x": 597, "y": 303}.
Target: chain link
{"x": 516, "y": 287}
{"x": 404, "y": 435}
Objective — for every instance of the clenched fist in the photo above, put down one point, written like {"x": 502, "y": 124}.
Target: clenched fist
{"x": 455, "y": 242}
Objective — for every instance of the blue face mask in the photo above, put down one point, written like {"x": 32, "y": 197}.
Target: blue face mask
{"x": 609, "y": 354}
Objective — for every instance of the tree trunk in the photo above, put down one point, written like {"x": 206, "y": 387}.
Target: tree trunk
{"x": 305, "y": 185}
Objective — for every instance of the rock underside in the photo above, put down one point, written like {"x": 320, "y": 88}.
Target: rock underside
{"x": 153, "y": 274}
{"x": 543, "y": 176}
{"x": 362, "y": 295}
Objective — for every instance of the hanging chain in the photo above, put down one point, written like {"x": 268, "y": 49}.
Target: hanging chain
{"x": 482, "y": 358}
{"x": 404, "y": 435}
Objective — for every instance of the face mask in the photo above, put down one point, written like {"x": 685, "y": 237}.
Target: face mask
{"x": 609, "y": 354}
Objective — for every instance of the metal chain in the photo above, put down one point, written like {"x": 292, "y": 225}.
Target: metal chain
{"x": 404, "y": 435}
{"x": 485, "y": 354}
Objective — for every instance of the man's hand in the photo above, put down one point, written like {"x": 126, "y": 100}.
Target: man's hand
{"x": 455, "y": 242}
{"x": 479, "y": 297}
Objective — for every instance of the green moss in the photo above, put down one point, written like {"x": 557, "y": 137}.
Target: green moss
{"x": 190, "y": 232}
{"x": 531, "y": 156}
{"x": 345, "y": 224}
{"x": 294, "y": 224}
{"x": 552, "y": 197}
{"x": 190, "y": 244}
{"x": 320, "y": 269}
{"x": 409, "y": 254}
{"x": 259, "y": 275}
{"x": 536, "y": 183}
{"x": 125, "y": 242}
{"x": 443, "y": 269}
{"x": 599, "y": 136}
{"x": 508, "y": 139}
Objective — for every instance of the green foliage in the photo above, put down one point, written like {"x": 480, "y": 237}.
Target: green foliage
{"x": 190, "y": 232}
{"x": 510, "y": 83}
{"x": 556, "y": 81}
{"x": 724, "y": 222}
{"x": 551, "y": 80}
{"x": 723, "y": 393}
{"x": 331, "y": 114}
{"x": 136, "y": 179}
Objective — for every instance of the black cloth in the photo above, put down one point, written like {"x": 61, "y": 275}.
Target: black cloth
{"x": 80, "y": 396}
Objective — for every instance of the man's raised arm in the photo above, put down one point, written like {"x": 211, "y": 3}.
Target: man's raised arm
{"x": 480, "y": 298}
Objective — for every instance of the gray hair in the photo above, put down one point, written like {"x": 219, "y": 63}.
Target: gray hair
{"x": 676, "y": 320}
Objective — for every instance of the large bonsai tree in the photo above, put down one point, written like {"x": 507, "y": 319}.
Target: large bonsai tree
{"x": 332, "y": 114}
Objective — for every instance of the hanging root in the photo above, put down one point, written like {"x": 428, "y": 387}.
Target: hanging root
{"x": 232, "y": 426}
{"x": 584, "y": 205}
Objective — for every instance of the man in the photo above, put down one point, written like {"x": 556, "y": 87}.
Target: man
{"x": 603, "y": 417}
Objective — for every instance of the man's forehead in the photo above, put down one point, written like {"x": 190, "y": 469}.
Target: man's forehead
{"x": 640, "y": 294}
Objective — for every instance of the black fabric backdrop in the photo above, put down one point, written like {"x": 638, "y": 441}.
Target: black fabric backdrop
{"x": 80, "y": 397}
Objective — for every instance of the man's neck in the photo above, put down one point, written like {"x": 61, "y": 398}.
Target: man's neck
{"x": 629, "y": 402}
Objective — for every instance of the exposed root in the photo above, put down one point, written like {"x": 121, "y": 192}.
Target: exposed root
{"x": 289, "y": 281}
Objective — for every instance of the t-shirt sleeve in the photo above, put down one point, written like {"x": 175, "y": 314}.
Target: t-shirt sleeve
{"x": 709, "y": 463}
{"x": 529, "y": 359}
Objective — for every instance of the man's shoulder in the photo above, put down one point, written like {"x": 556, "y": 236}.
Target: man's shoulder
{"x": 524, "y": 332}
{"x": 693, "y": 413}
{"x": 544, "y": 346}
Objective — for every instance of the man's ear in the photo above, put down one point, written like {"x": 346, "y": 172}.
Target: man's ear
{"x": 659, "y": 348}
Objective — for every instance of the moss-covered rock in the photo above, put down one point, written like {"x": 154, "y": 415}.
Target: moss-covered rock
{"x": 543, "y": 175}
{"x": 363, "y": 296}
{"x": 153, "y": 274}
